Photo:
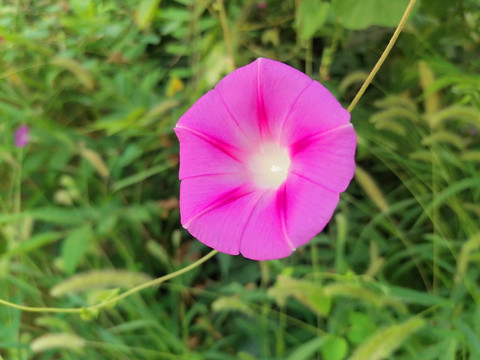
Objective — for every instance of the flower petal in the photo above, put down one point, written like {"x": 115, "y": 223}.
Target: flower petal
{"x": 309, "y": 208}
{"x": 241, "y": 219}
{"x": 327, "y": 159}
{"x": 201, "y": 154}
{"x": 279, "y": 87}
{"x": 22, "y": 136}
{"x": 203, "y": 193}
{"x": 265, "y": 236}
{"x": 261, "y": 94}
{"x": 222, "y": 227}
{"x": 210, "y": 116}
{"x": 215, "y": 210}
{"x": 314, "y": 112}
{"x": 238, "y": 91}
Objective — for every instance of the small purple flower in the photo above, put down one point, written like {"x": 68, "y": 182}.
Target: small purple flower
{"x": 263, "y": 159}
{"x": 22, "y": 136}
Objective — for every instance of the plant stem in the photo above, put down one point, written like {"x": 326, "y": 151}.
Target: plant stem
{"x": 226, "y": 32}
{"x": 117, "y": 298}
{"x": 384, "y": 55}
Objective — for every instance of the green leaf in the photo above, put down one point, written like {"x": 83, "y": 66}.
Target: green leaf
{"x": 74, "y": 248}
{"x": 318, "y": 301}
{"x": 88, "y": 314}
{"x": 335, "y": 348}
{"x": 140, "y": 176}
{"x": 242, "y": 355}
{"x": 145, "y": 13}
{"x": 310, "y": 17}
{"x": 100, "y": 296}
{"x": 471, "y": 338}
{"x": 307, "y": 349}
{"x": 386, "y": 341}
{"x": 361, "y": 327}
{"x": 360, "y": 14}
{"x": 34, "y": 243}
{"x": 355, "y": 291}
{"x": 309, "y": 293}
{"x": 47, "y": 214}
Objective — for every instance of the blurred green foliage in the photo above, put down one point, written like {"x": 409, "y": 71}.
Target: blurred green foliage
{"x": 95, "y": 193}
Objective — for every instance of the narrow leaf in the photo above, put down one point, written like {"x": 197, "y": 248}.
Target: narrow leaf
{"x": 74, "y": 248}
{"x": 386, "y": 341}
{"x": 34, "y": 243}
{"x": 309, "y": 293}
{"x": 145, "y": 13}
{"x": 307, "y": 350}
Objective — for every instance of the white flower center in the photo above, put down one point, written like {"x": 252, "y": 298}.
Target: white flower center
{"x": 269, "y": 165}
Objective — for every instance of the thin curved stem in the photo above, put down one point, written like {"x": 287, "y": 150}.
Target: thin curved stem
{"x": 226, "y": 32}
{"x": 156, "y": 281}
{"x": 384, "y": 55}
{"x": 117, "y": 298}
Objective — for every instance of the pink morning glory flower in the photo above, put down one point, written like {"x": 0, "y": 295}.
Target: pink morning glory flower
{"x": 22, "y": 136}
{"x": 263, "y": 159}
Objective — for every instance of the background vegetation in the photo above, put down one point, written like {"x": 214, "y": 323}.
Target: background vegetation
{"x": 90, "y": 206}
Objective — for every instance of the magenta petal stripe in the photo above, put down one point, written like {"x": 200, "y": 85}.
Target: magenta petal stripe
{"x": 282, "y": 214}
{"x": 238, "y": 94}
{"x": 312, "y": 181}
{"x": 279, "y": 87}
{"x": 264, "y": 237}
{"x": 223, "y": 200}
{"x": 309, "y": 208}
{"x": 197, "y": 157}
{"x": 202, "y": 192}
{"x": 210, "y": 116}
{"x": 315, "y": 111}
{"x": 327, "y": 159}
{"x": 263, "y": 160}
{"x": 302, "y": 143}
{"x": 222, "y": 225}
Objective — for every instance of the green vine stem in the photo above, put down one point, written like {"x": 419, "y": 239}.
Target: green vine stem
{"x": 117, "y": 298}
{"x": 384, "y": 55}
